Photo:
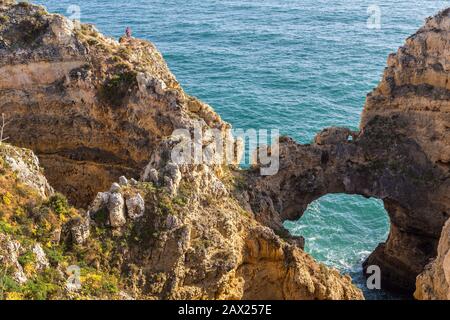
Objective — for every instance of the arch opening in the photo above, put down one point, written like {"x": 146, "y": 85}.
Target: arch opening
{"x": 341, "y": 231}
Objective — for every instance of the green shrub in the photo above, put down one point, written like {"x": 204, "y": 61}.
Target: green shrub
{"x": 7, "y": 284}
{"x": 4, "y": 19}
{"x": 55, "y": 255}
{"x": 96, "y": 283}
{"x": 7, "y": 228}
{"x": 26, "y": 258}
{"x": 165, "y": 206}
{"x": 180, "y": 201}
{"x": 92, "y": 42}
{"x": 115, "y": 89}
{"x": 41, "y": 287}
{"x": 59, "y": 204}
{"x": 148, "y": 187}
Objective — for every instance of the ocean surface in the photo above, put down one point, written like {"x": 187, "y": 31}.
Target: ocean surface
{"x": 293, "y": 65}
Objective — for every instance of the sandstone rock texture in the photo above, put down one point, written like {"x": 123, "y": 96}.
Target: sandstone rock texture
{"x": 206, "y": 246}
{"x": 100, "y": 115}
{"x": 92, "y": 108}
{"x": 26, "y": 166}
{"x": 434, "y": 282}
{"x": 401, "y": 155}
{"x": 95, "y": 111}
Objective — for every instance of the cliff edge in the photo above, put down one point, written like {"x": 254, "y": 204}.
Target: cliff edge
{"x": 100, "y": 114}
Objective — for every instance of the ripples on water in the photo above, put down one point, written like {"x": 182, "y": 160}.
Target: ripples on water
{"x": 297, "y": 66}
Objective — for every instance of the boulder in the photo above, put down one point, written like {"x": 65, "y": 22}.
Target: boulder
{"x": 116, "y": 208}
{"x": 135, "y": 206}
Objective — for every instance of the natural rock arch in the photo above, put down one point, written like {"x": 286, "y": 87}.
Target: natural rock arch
{"x": 400, "y": 155}
{"x": 379, "y": 162}
{"x": 341, "y": 230}
{"x": 57, "y": 89}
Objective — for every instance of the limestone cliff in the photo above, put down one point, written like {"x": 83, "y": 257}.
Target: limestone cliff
{"x": 400, "y": 155}
{"x": 434, "y": 282}
{"x": 96, "y": 110}
{"x": 34, "y": 225}
{"x": 202, "y": 246}
{"x": 91, "y": 108}
{"x": 137, "y": 242}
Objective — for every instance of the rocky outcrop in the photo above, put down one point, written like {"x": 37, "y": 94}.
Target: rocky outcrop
{"x": 41, "y": 238}
{"x": 92, "y": 108}
{"x": 434, "y": 282}
{"x": 401, "y": 155}
{"x": 194, "y": 245}
{"x": 10, "y": 250}
{"x": 95, "y": 111}
{"x": 24, "y": 196}
{"x": 205, "y": 246}
{"x": 25, "y": 165}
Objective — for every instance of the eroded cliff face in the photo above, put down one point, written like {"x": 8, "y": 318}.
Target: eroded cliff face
{"x": 96, "y": 110}
{"x": 91, "y": 108}
{"x": 400, "y": 155}
{"x": 200, "y": 245}
{"x": 139, "y": 242}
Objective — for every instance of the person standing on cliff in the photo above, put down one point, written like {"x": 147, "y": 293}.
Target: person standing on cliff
{"x": 128, "y": 32}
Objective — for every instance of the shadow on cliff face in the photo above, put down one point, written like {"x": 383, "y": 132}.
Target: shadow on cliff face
{"x": 381, "y": 162}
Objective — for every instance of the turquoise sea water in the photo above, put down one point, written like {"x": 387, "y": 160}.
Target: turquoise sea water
{"x": 297, "y": 66}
